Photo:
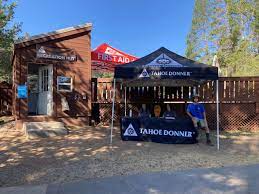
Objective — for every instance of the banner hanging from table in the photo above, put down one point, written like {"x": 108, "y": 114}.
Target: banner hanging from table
{"x": 179, "y": 131}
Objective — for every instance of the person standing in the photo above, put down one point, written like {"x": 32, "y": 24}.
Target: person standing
{"x": 130, "y": 111}
{"x": 144, "y": 113}
{"x": 169, "y": 114}
{"x": 197, "y": 113}
{"x": 157, "y": 111}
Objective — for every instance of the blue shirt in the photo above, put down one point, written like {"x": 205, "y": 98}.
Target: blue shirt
{"x": 169, "y": 114}
{"x": 196, "y": 110}
{"x": 143, "y": 113}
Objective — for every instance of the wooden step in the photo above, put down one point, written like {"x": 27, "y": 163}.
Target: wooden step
{"x": 44, "y": 129}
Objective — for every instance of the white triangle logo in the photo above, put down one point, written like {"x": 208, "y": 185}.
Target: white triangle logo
{"x": 130, "y": 131}
{"x": 144, "y": 73}
{"x": 164, "y": 61}
{"x": 41, "y": 50}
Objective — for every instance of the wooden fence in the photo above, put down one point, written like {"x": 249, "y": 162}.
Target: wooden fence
{"x": 5, "y": 99}
{"x": 239, "y": 100}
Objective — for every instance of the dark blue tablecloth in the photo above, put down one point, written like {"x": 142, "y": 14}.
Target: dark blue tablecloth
{"x": 160, "y": 130}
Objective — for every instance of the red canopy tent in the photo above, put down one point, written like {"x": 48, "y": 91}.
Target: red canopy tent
{"x": 105, "y": 58}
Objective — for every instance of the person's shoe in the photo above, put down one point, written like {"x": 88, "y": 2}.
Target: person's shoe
{"x": 209, "y": 143}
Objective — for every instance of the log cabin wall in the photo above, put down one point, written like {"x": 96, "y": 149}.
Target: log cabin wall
{"x": 5, "y": 99}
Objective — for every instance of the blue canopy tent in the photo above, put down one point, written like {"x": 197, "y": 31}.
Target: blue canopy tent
{"x": 165, "y": 68}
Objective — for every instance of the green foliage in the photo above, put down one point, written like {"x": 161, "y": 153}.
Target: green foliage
{"x": 97, "y": 74}
{"x": 197, "y": 46}
{"x": 231, "y": 33}
{"x": 8, "y": 32}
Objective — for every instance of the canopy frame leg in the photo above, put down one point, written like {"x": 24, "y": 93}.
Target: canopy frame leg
{"x": 113, "y": 105}
{"x": 125, "y": 100}
{"x": 217, "y": 104}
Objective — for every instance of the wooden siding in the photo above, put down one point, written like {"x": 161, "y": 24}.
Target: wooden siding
{"x": 79, "y": 70}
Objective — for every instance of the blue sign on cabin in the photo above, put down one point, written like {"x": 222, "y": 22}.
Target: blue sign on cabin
{"x": 22, "y": 91}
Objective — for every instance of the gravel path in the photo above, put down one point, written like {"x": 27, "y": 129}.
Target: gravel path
{"x": 85, "y": 153}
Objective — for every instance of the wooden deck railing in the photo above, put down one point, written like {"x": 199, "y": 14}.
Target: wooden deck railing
{"x": 231, "y": 89}
{"x": 238, "y": 96}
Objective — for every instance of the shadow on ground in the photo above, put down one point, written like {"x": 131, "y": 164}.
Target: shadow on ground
{"x": 86, "y": 153}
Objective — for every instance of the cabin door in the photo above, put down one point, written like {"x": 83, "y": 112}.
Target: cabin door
{"x": 45, "y": 98}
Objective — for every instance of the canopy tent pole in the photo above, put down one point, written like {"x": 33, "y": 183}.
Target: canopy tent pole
{"x": 125, "y": 99}
{"x": 113, "y": 104}
{"x": 217, "y": 102}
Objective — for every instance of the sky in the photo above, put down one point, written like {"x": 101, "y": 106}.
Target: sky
{"x": 137, "y": 27}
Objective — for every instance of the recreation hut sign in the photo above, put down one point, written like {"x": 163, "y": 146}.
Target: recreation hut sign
{"x": 55, "y": 54}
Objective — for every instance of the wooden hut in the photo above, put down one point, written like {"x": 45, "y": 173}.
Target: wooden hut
{"x": 52, "y": 77}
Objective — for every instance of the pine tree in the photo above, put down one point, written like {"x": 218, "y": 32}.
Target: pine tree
{"x": 197, "y": 45}
{"x": 231, "y": 34}
{"x": 8, "y": 34}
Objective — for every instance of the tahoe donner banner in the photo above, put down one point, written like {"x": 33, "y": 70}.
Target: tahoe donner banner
{"x": 179, "y": 131}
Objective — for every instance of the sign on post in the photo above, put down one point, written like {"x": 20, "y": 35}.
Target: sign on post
{"x": 22, "y": 91}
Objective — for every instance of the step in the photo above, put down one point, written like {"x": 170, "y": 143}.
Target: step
{"x": 42, "y": 125}
{"x": 44, "y": 129}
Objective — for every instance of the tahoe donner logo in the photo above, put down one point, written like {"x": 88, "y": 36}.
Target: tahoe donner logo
{"x": 144, "y": 73}
{"x": 130, "y": 131}
{"x": 163, "y": 60}
{"x": 171, "y": 73}
{"x": 166, "y": 132}
{"x": 42, "y": 50}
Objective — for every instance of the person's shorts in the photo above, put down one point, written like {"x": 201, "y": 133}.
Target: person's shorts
{"x": 200, "y": 122}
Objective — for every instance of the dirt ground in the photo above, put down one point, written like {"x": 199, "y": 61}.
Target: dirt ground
{"x": 85, "y": 153}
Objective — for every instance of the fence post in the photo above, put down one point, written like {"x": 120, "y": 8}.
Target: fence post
{"x": 221, "y": 95}
{"x": 94, "y": 89}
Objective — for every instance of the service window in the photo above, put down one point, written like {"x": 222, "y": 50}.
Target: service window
{"x": 65, "y": 83}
